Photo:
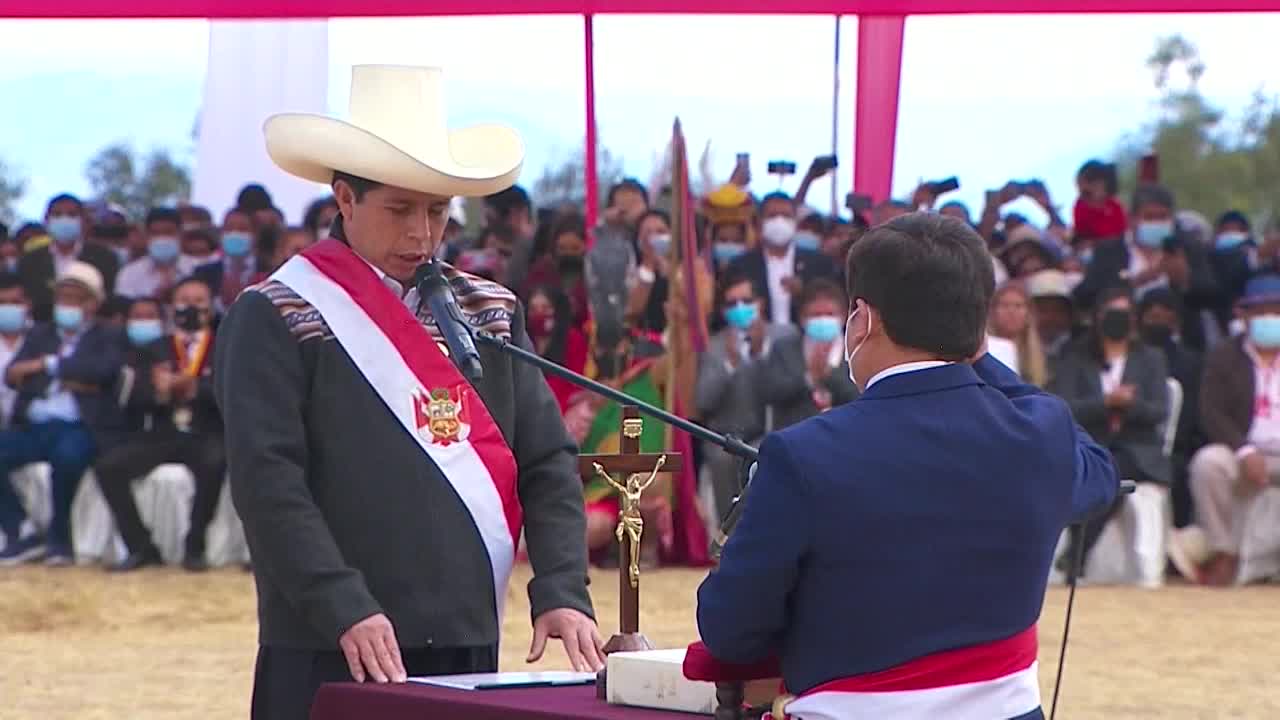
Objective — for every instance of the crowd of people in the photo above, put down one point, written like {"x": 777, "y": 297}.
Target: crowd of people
{"x": 107, "y": 325}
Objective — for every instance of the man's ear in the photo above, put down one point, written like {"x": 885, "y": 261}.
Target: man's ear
{"x": 345, "y": 197}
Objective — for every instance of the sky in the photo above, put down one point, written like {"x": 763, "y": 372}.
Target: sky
{"x": 984, "y": 98}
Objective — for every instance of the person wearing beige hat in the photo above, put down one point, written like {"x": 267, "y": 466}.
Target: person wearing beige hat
{"x": 383, "y": 493}
{"x": 63, "y": 373}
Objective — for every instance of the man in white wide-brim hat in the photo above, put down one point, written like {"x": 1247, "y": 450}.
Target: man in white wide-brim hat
{"x": 383, "y": 494}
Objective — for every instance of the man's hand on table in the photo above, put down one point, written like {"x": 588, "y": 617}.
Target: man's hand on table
{"x": 372, "y": 651}
{"x": 578, "y": 632}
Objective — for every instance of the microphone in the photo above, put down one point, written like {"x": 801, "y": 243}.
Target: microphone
{"x": 434, "y": 290}
{"x": 732, "y": 517}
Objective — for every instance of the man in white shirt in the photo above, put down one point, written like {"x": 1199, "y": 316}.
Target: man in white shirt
{"x": 153, "y": 274}
{"x": 778, "y": 269}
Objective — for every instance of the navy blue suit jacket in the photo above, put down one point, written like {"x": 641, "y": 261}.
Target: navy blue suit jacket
{"x": 95, "y": 362}
{"x": 919, "y": 518}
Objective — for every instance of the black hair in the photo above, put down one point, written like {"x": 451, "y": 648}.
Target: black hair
{"x": 823, "y": 288}
{"x": 143, "y": 300}
{"x": 1161, "y": 297}
{"x": 1094, "y": 339}
{"x": 59, "y": 198}
{"x": 1235, "y": 216}
{"x": 504, "y": 202}
{"x": 1097, "y": 170}
{"x": 631, "y": 184}
{"x": 188, "y": 280}
{"x": 814, "y": 223}
{"x": 203, "y": 234}
{"x": 776, "y": 195}
{"x": 161, "y": 214}
{"x": 931, "y": 280}
{"x": 197, "y": 211}
{"x": 568, "y": 223}
{"x": 655, "y": 212}
{"x": 253, "y": 197}
{"x": 311, "y": 219}
{"x": 359, "y": 185}
{"x": 731, "y": 280}
{"x": 1152, "y": 194}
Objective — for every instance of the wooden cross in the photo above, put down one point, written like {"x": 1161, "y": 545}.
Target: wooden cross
{"x": 629, "y": 460}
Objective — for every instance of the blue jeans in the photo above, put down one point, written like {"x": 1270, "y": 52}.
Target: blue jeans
{"x": 68, "y": 448}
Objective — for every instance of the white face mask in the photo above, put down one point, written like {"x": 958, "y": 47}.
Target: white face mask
{"x": 849, "y": 354}
{"x": 778, "y": 230}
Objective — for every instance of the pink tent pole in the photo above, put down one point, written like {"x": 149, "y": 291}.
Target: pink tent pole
{"x": 879, "y": 79}
{"x": 589, "y": 162}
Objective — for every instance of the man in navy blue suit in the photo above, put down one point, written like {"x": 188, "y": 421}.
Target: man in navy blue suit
{"x": 894, "y": 551}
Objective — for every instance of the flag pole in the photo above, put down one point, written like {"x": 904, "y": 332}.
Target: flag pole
{"x": 835, "y": 121}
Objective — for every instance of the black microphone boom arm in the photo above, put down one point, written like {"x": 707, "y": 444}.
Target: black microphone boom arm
{"x": 729, "y": 443}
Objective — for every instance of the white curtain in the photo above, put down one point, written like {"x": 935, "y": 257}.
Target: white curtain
{"x": 257, "y": 69}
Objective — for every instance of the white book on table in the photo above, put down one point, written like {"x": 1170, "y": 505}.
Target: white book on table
{"x": 655, "y": 679}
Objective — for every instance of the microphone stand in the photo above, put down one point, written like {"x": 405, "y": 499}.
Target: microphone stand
{"x": 730, "y": 444}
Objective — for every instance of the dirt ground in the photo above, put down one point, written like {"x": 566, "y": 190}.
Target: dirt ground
{"x": 163, "y": 644}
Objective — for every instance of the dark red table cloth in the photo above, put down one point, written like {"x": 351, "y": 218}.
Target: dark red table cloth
{"x": 412, "y": 701}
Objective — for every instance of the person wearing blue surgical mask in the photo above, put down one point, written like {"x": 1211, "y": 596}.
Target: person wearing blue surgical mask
{"x": 646, "y": 303}
{"x": 156, "y": 272}
{"x": 14, "y": 322}
{"x": 234, "y": 271}
{"x": 69, "y": 241}
{"x": 806, "y": 370}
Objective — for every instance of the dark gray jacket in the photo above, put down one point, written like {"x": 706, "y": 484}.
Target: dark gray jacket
{"x": 346, "y": 517}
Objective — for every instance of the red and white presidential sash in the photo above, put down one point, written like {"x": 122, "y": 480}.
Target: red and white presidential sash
{"x": 421, "y": 387}
{"x": 993, "y": 681}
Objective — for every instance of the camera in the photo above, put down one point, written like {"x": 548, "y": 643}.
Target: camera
{"x": 782, "y": 167}
{"x": 858, "y": 202}
{"x": 825, "y": 164}
{"x": 941, "y": 187}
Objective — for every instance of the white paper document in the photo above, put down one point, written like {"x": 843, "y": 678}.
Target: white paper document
{"x": 508, "y": 680}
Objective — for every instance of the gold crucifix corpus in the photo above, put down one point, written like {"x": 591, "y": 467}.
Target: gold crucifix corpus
{"x": 630, "y": 521}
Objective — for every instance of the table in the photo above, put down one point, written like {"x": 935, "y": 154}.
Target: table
{"x": 413, "y": 701}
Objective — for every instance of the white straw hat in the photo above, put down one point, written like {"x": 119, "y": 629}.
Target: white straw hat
{"x": 397, "y": 135}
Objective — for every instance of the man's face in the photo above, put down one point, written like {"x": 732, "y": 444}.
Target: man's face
{"x": 1053, "y": 316}
{"x": 196, "y": 245}
{"x": 393, "y": 228}
{"x": 821, "y": 307}
{"x": 570, "y": 244}
{"x": 162, "y": 229}
{"x": 64, "y": 208}
{"x": 195, "y": 295}
{"x": 1233, "y": 226}
{"x": 740, "y": 294}
{"x": 1150, "y": 212}
{"x": 75, "y": 295}
{"x": 13, "y": 296}
{"x": 1160, "y": 316}
{"x": 236, "y": 221}
{"x": 777, "y": 207}
{"x": 632, "y": 204}
{"x": 735, "y": 234}
{"x": 144, "y": 311}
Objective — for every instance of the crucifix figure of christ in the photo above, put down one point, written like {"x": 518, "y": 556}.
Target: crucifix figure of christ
{"x": 640, "y": 469}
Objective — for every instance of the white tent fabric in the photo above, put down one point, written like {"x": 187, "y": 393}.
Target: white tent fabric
{"x": 164, "y": 502}
{"x": 257, "y": 69}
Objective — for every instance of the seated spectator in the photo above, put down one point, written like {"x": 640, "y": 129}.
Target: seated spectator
{"x": 232, "y": 272}
{"x": 199, "y": 247}
{"x": 1026, "y": 252}
{"x": 549, "y": 322}
{"x": 15, "y": 321}
{"x": 730, "y": 380}
{"x": 1234, "y": 258}
{"x": 154, "y": 274}
{"x": 1160, "y": 322}
{"x": 778, "y": 269}
{"x": 1115, "y": 386}
{"x": 64, "y": 374}
{"x": 806, "y": 371}
{"x": 648, "y": 298}
{"x": 168, "y": 416}
{"x": 1240, "y": 414}
{"x": 64, "y": 220}
{"x": 1012, "y": 321}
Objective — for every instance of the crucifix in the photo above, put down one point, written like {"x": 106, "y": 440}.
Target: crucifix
{"x": 637, "y": 471}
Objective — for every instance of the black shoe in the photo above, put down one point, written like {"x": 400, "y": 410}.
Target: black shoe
{"x": 195, "y": 563}
{"x": 138, "y": 560}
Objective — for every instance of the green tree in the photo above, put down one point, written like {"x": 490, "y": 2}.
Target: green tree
{"x": 564, "y": 184}
{"x": 117, "y": 174}
{"x": 1213, "y": 162}
{"x": 12, "y": 187}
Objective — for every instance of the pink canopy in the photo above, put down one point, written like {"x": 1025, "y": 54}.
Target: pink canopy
{"x": 880, "y": 35}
